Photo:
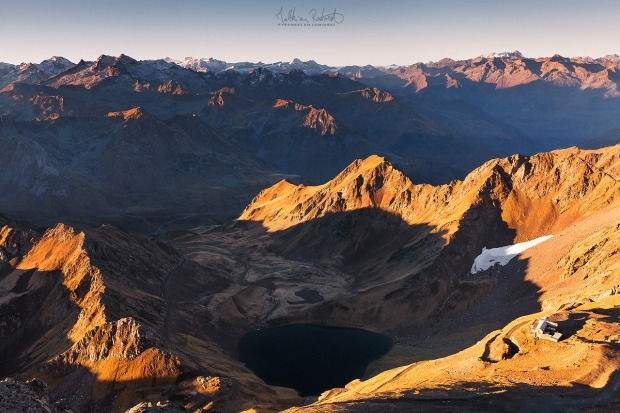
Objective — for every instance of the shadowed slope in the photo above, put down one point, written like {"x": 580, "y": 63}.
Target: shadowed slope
{"x": 126, "y": 167}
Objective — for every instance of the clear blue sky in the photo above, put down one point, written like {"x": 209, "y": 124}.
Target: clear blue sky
{"x": 373, "y": 32}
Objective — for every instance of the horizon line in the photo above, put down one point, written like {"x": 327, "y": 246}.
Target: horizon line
{"x": 261, "y": 62}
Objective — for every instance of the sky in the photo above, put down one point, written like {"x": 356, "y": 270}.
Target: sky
{"x": 370, "y": 32}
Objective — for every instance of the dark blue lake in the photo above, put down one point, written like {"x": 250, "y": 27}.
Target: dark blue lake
{"x": 311, "y": 359}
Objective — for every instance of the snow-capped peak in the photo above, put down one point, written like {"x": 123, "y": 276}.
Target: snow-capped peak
{"x": 54, "y": 65}
{"x": 201, "y": 65}
{"x": 509, "y": 55}
{"x": 213, "y": 65}
{"x": 610, "y": 58}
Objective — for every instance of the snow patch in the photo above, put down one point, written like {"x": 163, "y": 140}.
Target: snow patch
{"x": 503, "y": 255}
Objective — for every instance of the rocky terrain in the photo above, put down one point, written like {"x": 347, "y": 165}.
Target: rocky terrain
{"x": 403, "y": 254}
{"x": 157, "y": 211}
{"x": 112, "y": 322}
{"x": 102, "y": 318}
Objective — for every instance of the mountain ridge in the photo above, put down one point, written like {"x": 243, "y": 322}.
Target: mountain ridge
{"x": 56, "y": 64}
{"x": 573, "y": 173}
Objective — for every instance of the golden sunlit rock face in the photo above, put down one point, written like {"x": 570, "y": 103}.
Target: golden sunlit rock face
{"x": 535, "y": 195}
{"x": 571, "y": 194}
{"x": 135, "y": 113}
{"x": 574, "y": 276}
{"x": 70, "y": 281}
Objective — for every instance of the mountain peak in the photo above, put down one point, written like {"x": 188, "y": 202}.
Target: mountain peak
{"x": 54, "y": 65}
{"x": 135, "y": 113}
{"x": 59, "y": 60}
{"x": 126, "y": 59}
{"x": 610, "y": 58}
{"x": 507, "y": 55}
{"x": 319, "y": 119}
{"x": 362, "y": 165}
{"x": 558, "y": 58}
{"x": 106, "y": 60}
{"x": 365, "y": 183}
{"x": 376, "y": 95}
{"x": 283, "y": 103}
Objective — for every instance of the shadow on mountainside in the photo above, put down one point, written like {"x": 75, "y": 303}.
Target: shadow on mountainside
{"x": 400, "y": 279}
{"x": 35, "y": 315}
{"x": 405, "y": 282}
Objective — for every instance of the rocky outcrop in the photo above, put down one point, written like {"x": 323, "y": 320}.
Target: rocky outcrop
{"x": 217, "y": 97}
{"x": 29, "y": 396}
{"x": 173, "y": 87}
{"x": 313, "y": 118}
{"x": 124, "y": 338}
{"x": 376, "y": 95}
{"x": 16, "y": 239}
{"x": 159, "y": 407}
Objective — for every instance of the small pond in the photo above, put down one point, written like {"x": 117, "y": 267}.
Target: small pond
{"x": 311, "y": 359}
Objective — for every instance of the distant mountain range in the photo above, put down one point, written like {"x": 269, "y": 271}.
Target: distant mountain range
{"x": 557, "y": 99}
{"x": 32, "y": 73}
{"x": 146, "y": 143}
{"x": 11, "y": 73}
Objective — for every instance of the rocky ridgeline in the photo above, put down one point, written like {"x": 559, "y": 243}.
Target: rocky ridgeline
{"x": 558, "y": 186}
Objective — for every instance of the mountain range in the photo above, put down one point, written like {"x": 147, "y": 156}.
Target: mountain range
{"x": 152, "y": 213}
{"x": 144, "y": 143}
